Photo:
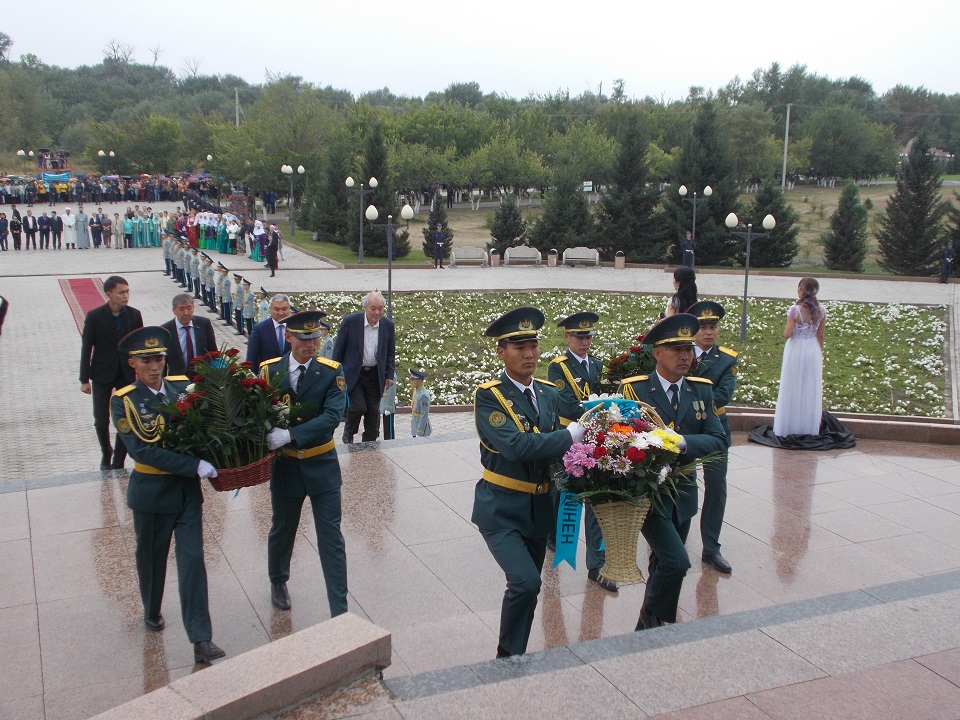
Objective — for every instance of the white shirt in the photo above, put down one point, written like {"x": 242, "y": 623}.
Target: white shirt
{"x": 371, "y": 340}
{"x": 529, "y": 387}
{"x": 582, "y": 360}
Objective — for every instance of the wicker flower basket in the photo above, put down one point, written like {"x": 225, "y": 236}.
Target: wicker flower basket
{"x": 247, "y": 476}
{"x": 620, "y": 523}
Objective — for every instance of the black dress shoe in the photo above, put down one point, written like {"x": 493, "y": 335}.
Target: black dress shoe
{"x": 717, "y": 562}
{"x": 347, "y": 439}
{"x": 206, "y": 652}
{"x": 647, "y": 620}
{"x": 156, "y": 624}
{"x": 604, "y": 582}
{"x": 279, "y": 596}
{"x": 551, "y": 545}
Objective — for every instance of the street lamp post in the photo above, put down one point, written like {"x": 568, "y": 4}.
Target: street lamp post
{"x": 30, "y": 154}
{"x": 769, "y": 223}
{"x": 406, "y": 212}
{"x": 23, "y": 161}
{"x": 361, "y": 193}
{"x": 288, "y": 171}
{"x": 103, "y": 161}
{"x": 707, "y": 192}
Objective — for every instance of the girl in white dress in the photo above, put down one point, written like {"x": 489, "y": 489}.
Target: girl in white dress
{"x": 800, "y": 398}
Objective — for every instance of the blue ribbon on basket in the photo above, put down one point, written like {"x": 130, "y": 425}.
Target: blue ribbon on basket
{"x": 568, "y": 530}
{"x": 628, "y": 408}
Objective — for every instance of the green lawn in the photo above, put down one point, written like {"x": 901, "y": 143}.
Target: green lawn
{"x": 886, "y": 359}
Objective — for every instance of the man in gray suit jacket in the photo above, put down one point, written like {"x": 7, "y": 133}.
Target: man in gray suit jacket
{"x": 191, "y": 336}
{"x": 366, "y": 347}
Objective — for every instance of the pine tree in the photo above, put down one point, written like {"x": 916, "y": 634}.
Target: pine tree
{"x": 326, "y": 209}
{"x": 626, "y": 214}
{"x": 780, "y": 247}
{"x": 953, "y": 220}
{"x": 911, "y": 231}
{"x": 438, "y": 216}
{"x": 566, "y": 220}
{"x": 845, "y": 244}
{"x": 508, "y": 228}
{"x": 705, "y": 160}
{"x": 383, "y": 198}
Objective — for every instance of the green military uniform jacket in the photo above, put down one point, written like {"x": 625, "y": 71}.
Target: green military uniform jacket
{"x": 694, "y": 419}
{"x": 162, "y": 480}
{"x": 301, "y": 468}
{"x": 574, "y": 382}
{"x": 719, "y": 366}
{"x": 249, "y": 304}
{"x": 516, "y": 444}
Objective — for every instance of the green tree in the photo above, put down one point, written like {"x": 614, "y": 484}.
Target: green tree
{"x": 911, "y": 230}
{"x": 328, "y": 205}
{"x": 438, "y": 216}
{"x": 778, "y": 249}
{"x": 749, "y": 127}
{"x": 626, "y": 213}
{"x": 845, "y": 244}
{"x": 508, "y": 227}
{"x": 566, "y": 220}
{"x": 704, "y": 160}
{"x": 383, "y": 199}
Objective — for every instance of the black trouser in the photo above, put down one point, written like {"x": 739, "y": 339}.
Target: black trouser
{"x": 101, "y": 421}
{"x": 238, "y": 321}
{"x": 3, "y": 242}
{"x": 31, "y": 238}
{"x": 153, "y": 532}
{"x": 16, "y": 240}
{"x": 57, "y": 235}
{"x": 365, "y": 403}
{"x": 45, "y": 239}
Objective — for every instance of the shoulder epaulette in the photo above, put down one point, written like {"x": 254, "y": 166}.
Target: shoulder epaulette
{"x": 270, "y": 361}
{"x": 328, "y": 362}
{"x": 545, "y": 382}
{"x": 635, "y": 378}
{"x": 694, "y": 378}
{"x": 728, "y": 351}
{"x": 124, "y": 390}
{"x": 489, "y": 384}
{"x": 177, "y": 378}
{"x": 561, "y": 359}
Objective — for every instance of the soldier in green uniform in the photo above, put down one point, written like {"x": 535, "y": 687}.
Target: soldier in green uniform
{"x": 307, "y": 463}
{"x": 686, "y": 405}
{"x": 518, "y": 421}
{"x": 206, "y": 277}
{"x": 419, "y": 405}
{"x": 263, "y": 304}
{"x": 719, "y": 366}
{"x": 576, "y": 374}
{"x": 164, "y": 491}
{"x": 249, "y": 307}
{"x": 181, "y": 255}
{"x": 195, "y": 272}
{"x": 326, "y": 342}
{"x": 388, "y": 410}
{"x": 238, "y": 303}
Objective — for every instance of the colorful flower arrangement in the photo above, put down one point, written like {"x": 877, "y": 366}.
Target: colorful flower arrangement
{"x": 225, "y": 414}
{"x": 638, "y": 360}
{"x": 626, "y": 455}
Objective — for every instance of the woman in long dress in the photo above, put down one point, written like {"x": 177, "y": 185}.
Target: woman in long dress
{"x": 800, "y": 398}
{"x": 256, "y": 245}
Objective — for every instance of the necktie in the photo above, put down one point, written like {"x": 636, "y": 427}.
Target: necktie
{"x": 529, "y": 393}
{"x": 161, "y": 398}
{"x": 301, "y": 371}
{"x": 188, "y": 346}
{"x": 674, "y": 391}
{"x": 280, "y": 338}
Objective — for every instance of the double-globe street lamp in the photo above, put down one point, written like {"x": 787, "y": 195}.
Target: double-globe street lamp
{"x": 288, "y": 171}
{"x": 769, "y": 223}
{"x": 103, "y": 159}
{"x": 707, "y": 192}
{"x": 406, "y": 213}
{"x": 23, "y": 161}
{"x": 362, "y": 193}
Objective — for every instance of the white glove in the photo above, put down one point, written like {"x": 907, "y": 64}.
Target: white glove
{"x": 576, "y": 431}
{"x": 278, "y": 437}
{"x": 206, "y": 470}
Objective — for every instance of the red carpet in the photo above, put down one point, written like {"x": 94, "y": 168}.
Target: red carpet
{"x": 82, "y": 295}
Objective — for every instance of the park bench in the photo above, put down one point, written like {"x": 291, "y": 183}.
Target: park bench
{"x": 468, "y": 253}
{"x": 581, "y": 256}
{"x": 521, "y": 253}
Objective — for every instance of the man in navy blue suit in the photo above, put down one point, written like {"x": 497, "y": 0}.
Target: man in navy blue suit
{"x": 267, "y": 339}
{"x": 366, "y": 347}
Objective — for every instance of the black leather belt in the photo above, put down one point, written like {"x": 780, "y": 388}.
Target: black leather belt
{"x": 368, "y": 368}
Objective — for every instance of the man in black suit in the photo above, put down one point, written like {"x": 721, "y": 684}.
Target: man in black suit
{"x": 268, "y": 337}
{"x": 190, "y": 336}
{"x": 102, "y": 369}
{"x": 366, "y": 347}
{"x": 56, "y": 227}
{"x": 30, "y": 227}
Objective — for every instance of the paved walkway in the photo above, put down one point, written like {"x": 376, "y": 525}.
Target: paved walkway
{"x": 72, "y": 643}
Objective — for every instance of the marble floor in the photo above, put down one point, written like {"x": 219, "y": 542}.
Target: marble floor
{"x": 799, "y": 525}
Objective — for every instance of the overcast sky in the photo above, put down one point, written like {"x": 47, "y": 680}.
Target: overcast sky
{"x": 512, "y": 48}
